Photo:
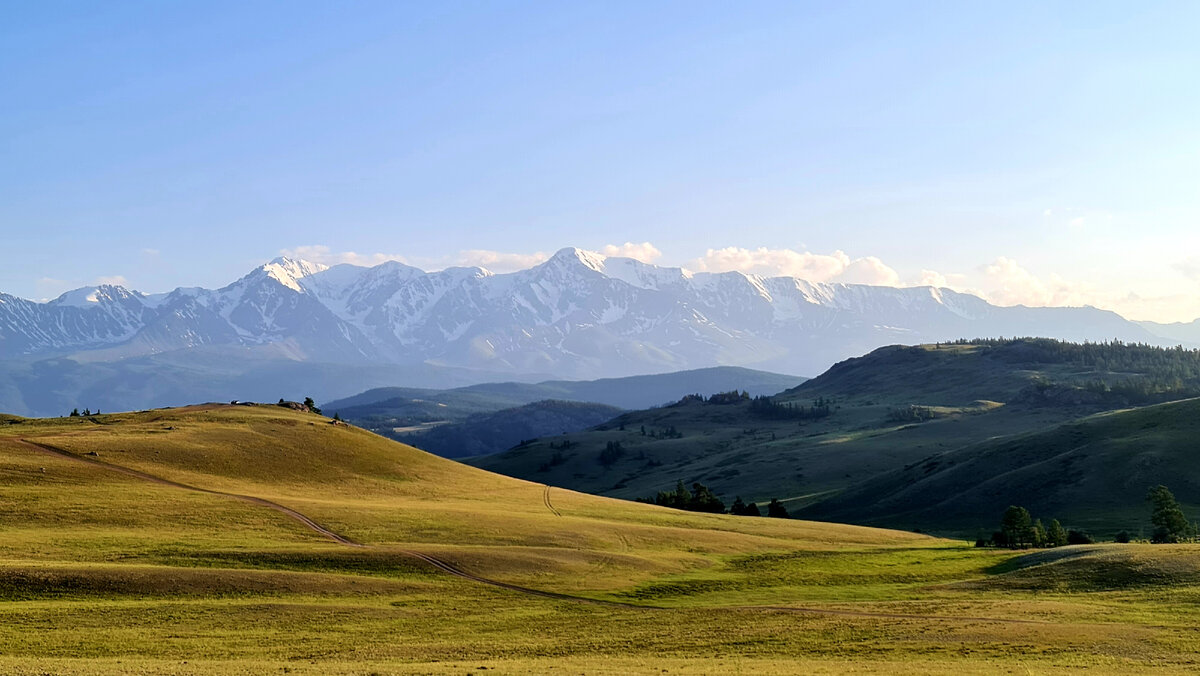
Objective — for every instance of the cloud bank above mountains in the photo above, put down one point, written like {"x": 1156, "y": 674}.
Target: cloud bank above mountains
{"x": 1002, "y": 281}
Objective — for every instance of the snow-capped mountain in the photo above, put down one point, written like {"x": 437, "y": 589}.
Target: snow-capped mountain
{"x": 577, "y": 315}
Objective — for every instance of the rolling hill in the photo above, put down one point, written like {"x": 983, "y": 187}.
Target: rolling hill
{"x": 256, "y": 539}
{"x": 486, "y": 433}
{"x": 1093, "y": 473}
{"x": 889, "y": 412}
{"x": 400, "y": 412}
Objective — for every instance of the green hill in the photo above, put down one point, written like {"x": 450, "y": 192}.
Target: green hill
{"x": 888, "y": 410}
{"x": 1091, "y": 473}
{"x": 258, "y": 539}
{"x": 486, "y": 433}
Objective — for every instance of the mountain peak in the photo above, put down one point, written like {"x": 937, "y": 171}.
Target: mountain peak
{"x": 573, "y": 255}
{"x": 89, "y": 296}
{"x": 288, "y": 271}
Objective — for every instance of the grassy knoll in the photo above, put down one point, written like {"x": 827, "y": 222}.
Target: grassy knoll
{"x": 110, "y": 572}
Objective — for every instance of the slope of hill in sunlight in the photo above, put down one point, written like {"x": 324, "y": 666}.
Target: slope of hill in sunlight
{"x": 257, "y": 539}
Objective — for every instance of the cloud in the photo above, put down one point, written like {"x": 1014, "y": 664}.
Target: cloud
{"x": 869, "y": 270}
{"x": 1188, "y": 267}
{"x": 835, "y": 267}
{"x": 319, "y": 253}
{"x": 644, "y": 252}
{"x": 115, "y": 280}
{"x": 499, "y": 261}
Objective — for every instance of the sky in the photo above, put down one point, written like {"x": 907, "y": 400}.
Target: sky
{"x": 1040, "y": 153}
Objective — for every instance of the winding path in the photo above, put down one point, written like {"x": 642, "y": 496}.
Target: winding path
{"x": 452, "y": 569}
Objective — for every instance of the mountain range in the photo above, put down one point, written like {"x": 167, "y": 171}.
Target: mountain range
{"x": 578, "y": 315}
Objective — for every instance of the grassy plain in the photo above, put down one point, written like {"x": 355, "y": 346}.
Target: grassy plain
{"x": 109, "y": 572}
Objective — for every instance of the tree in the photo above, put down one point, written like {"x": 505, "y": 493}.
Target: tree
{"x": 776, "y": 509}
{"x": 1039, "y": 534}
{"x": 1017, "y": 527}
{"x": 1123, "y": 537}
{"x": 1078, "y": 537}
{"x": 74, "y": 413}
{"x": 1170, "y": 525}
{"x": 337, "y": 416}
{"x": 611, "y": 453}
{"x": 752, "y": 510}
{"x": 312, "y": 405}
{"x": 738, "y": 507}
{"x": 1056, "y": 535}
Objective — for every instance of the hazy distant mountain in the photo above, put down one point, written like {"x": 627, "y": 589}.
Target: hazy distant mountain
{"x": 578, "y": 315}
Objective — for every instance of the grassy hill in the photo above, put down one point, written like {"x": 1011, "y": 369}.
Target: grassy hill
{"x": 486, "y": 433}
{"x": 1092, "y": 473}
{"x": 889, "y": 410}
{"x": 240, "y": 540}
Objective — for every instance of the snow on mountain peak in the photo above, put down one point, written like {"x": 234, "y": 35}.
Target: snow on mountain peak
{"x": 288, "y": 271}
{"x": 90, "y": 296}
{"x": 589, "y": 259}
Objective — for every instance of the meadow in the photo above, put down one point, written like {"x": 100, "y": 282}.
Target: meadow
{"x": 250, "y": 540}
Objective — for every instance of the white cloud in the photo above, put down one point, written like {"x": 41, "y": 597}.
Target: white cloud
{"x": 1188, "y": 267}
{"x": 835, "y": 267}
{"x": 869, "y": 270}
{"x": 499, "y": 261}
{"x": 644, "y": 252}
{"x": 319, "y": 253}
{"x": 115, "y": 280}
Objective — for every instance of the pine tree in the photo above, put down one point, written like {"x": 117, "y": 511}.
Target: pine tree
{"x": 1056, "y": 535}
{"x": 776, "y": 509}
{"x": 1039, "y": 534}
{"x": 1017, "y": 527}
{"x": 74, "y": 413}
{"x": 1170, "y": 525}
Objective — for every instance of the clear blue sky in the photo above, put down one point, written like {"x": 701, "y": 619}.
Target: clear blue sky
{"x": 181, "y": 143}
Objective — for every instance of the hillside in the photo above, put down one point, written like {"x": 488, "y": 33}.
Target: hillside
{"x": 383, "y": 410}
{"x": 1091, "y": 473}
{"x": 629, "y": 392}
{"x": 486, "y": 433}
{"x": 255, "y": 539}
{"x": 888, "y": 410}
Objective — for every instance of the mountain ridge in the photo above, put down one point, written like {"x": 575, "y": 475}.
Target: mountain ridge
{"x": 577, "y": 315}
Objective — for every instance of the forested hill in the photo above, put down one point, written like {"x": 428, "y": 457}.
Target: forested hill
{"x": 1032, "y": 370}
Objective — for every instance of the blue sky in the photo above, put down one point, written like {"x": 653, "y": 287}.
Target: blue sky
{"x": 1045, "y": 153}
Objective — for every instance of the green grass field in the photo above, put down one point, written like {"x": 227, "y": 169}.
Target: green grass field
{"x": 160, "y": 543}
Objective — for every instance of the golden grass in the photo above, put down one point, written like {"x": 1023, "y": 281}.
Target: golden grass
{"x": 101, "y": 572}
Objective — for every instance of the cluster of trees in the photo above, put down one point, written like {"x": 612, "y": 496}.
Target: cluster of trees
{"x": 555, "y": 460}
{"x": 669, "y": 433}
{"x": 775, "y": 509}
{"x": 731, "y": 397}
{"x": 75, "y": 412}
{"x": 1018, "y": 530}
{"x": 910, "y": 413}
{"x": 565, "y": 445}
{"x": 701, "y": 499}
{"x": 766, "y": 407}
{"x": 612, "y": 452}
{"x": 1158, "y": 373}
